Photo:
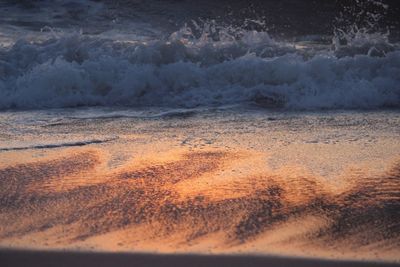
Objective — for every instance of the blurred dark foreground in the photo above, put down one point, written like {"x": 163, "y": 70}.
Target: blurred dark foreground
{"x": 16, "y": 258}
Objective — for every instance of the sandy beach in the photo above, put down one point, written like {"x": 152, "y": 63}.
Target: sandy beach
{"x": 208, "y": 133}
{"x": 163, "y": 192}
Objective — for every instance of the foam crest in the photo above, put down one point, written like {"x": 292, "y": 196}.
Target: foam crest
{"x": 202, "y": 65}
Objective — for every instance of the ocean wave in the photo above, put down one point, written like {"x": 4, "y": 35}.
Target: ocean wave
{"x": 185, "y": 71}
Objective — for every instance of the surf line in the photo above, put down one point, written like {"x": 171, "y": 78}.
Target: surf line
{"x": 68, "y": 144}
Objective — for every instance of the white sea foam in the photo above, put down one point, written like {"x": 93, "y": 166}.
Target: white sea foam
{"x": 216, "y": 68}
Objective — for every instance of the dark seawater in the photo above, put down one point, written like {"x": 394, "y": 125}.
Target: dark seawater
{"x": 183, "y": 54}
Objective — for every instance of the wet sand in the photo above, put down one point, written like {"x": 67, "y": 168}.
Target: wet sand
{"x": 179, "y": 205}
{"x": 213, "y": 205}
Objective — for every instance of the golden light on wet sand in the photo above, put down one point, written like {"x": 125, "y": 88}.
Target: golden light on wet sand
{"x": 202, "y": 201}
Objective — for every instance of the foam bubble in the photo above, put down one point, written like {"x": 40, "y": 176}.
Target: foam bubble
{"x": 218, "y": 67}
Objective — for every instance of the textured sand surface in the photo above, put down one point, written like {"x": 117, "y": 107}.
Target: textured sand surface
{"x": 184, "y": 203}
{"x": 220, "y": 182}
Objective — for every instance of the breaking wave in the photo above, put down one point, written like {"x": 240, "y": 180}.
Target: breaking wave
{"x": 202, "y": 65}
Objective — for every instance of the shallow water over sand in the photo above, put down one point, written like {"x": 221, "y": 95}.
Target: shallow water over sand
{"x": 228, "y": 180}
